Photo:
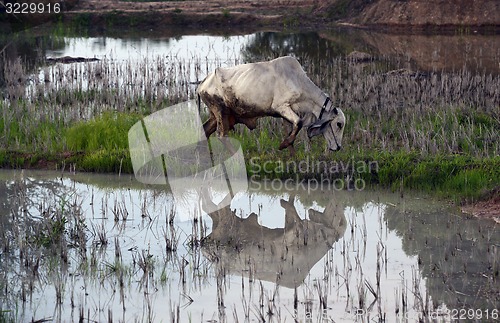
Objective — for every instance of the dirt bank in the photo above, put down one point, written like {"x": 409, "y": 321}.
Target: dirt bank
{"x": 196, "y": 14}
{"x": 488, "y": 207}
{"x": 430, "y": 14}
{"x": 391, "y": 15}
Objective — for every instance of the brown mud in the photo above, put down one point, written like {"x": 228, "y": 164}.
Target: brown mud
{"x": 487, "y": 208}
{"x": 388, "y": 15}
{"x": 393, "y": 16}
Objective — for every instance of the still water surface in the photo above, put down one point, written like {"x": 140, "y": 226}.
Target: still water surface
{"x": 206, "y": 47}
{"x": 477, "y": 53}
{"x": 474, "y": 52}
{"x": 130, "y": 252}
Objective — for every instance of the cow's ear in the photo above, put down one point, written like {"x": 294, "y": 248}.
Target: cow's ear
{"x": 317, "y": 128}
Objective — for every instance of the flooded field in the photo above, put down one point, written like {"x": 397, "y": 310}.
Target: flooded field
{"x": 78, "y": 246}
{"x": 106, "y": 248}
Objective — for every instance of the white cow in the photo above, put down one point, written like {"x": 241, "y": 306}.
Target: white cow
{"x": 278, "y": 88}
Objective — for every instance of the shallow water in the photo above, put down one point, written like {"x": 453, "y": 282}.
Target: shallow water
{"x": 186, "y": 47}
{"x": 130, "y": 252}
{"x": 449, "y": 52}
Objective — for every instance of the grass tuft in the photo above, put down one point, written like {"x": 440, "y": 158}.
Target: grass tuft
{"x": 105, "y": 132}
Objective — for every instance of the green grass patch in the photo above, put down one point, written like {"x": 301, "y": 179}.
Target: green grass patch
{"x": 106, "y": 161}
{"x": 103, "y": 141}
{"x": 107, "y": 132}
{"x": 101, "y": 145}
{"x": 461, "y": 178}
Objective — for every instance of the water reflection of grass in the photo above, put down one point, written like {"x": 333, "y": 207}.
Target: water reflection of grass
{"x": 432, "y": 131}
{"x": 127, "y": 262}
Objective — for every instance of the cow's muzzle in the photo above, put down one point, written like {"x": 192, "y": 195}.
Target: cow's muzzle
{"x": 336, "y": 149}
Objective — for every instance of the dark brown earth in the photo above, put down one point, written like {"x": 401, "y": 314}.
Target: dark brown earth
{"x": 241, "y": 14}
{"x": 388, "y": 14}
{"x": 431, "y": 13}
{"x": 488, "y": 207}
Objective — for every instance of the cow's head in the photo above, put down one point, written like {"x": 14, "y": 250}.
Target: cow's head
{"x": 331, "y": 125}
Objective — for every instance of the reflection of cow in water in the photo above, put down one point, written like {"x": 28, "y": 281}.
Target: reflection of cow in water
{"x": 284, "y": 254}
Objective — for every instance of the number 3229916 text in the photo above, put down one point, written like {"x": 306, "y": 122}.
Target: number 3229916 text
{"x": 32, "y": 8}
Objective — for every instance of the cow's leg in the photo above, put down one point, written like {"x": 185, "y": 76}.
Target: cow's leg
{"x": 224, "y": 122}
{"x": 224, "y": 126}
{"x": 251, "y": 123}
{"x": 214, "y": 122}
{"x": 220, "y": 120}
{"x": 202, "y": 148}
{"x": 210, "y": 125}
{"x": 228, "y": 121}
{"x": 231, "y": 121}
{"x": 287, "y": 113}
{"x": 287, "y": 129}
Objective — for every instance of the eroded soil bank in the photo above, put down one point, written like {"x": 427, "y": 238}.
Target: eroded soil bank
{"x": 430, "y": 15}
{"x": 451, "y": 15}
{"x": 487, "y": 208}
{"x": 436, "y": 16}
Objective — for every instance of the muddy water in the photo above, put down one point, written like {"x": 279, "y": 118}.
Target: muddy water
{"x": 104, "y": 247}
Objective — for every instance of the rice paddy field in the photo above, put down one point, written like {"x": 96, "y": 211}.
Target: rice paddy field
{"x": 426, "y": 129}
{"x": 82, "y": 240}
